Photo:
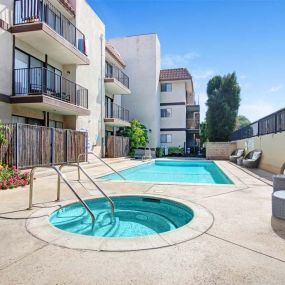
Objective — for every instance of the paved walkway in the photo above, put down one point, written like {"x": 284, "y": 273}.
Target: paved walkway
{"x": 245, "y": 245}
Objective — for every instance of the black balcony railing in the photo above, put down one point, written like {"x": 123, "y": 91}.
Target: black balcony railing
{"x": 33, "y": 11}
{"x": 192, "y": 124}
{"x": 115, "y": 111}
{"x": 39, "y": 80}
{"x": 270, "y": 124}
{"x": 112, "y": 71}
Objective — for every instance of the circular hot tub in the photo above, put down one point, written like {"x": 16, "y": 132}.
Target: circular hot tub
{"x": 134, "y": 216}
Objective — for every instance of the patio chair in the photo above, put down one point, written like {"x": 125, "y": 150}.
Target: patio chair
{"x": 238, "y": 153}
{"x": 147, "y": 154}
{"x": 252, "y": 159}
{"x": 139, "y": 153}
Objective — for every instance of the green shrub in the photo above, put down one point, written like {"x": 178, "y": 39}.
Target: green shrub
{"x": 138, "y": 135}
{"x": 159, "y": 152}
{"x": 175, "y": 151}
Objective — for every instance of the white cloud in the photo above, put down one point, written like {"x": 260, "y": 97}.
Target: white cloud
{"x": 178, "y": 60}
{"x": 276, "y": 88}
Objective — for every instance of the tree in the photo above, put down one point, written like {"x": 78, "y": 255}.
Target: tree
{"x": 241, "y": 122}
{"x": 203, "y": 133}
{"x": 137, "y": 133}
{"x": 223, "y": 103}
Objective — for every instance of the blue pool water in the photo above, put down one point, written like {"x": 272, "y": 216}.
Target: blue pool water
{"x": 185, "y": 171}
{"x": 134, "y": 216}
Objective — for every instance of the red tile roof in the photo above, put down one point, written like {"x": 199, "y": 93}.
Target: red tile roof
{"x": 68, "y": 6}
{"x": 174, "y": 74}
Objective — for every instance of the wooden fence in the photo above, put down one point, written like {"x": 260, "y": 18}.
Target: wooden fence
{"x": 117, "y": 146}
{"x": 30, "y": 145}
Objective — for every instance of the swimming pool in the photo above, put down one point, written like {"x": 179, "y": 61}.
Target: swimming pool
{"x": 134, "y": 216}
{"x": 181, "y": 171}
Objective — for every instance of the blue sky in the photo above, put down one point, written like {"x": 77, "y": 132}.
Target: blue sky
{"x": 210, "y": 38}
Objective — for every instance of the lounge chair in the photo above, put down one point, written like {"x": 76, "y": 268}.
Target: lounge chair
{"x": 252, "y": 159}
{"x": 238, "y": 153}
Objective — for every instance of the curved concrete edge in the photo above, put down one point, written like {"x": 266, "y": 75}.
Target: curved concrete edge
{"x": 42, "y": 229}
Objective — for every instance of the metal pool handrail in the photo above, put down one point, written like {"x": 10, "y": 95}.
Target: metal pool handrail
{"x": 91, "y": 152}
{"x": 90, "y": 179}
{"x": 60, "y": 174}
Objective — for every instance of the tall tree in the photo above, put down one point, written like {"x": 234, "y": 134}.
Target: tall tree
{"x": 203, "y": 133}
{"x": 223, "y": 103}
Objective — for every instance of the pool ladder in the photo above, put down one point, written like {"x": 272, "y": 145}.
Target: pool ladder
{"x": 99, "y": 158}
{"x": 61, "y": 175}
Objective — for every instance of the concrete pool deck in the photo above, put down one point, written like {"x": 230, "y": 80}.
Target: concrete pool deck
{"x": 245, "y": 245}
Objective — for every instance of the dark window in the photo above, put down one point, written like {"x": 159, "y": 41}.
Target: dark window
{"x": 108, "y": 107}
{"x": 165, "y": 113}
{"x": 26, "y": 120}
{"x": 55, "y": 124}
{"x": 165, "y": 138}
{"x": 166, "y": 87}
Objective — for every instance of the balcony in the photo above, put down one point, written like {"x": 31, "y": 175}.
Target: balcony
{"x": 45, "y": 90}
{"x": 116, "y": 116}
{"x": 193, "y": 108}
{"x": 44, "y": 27}
{"x": 116, "y": 81}
{"x": 193, "y": 124}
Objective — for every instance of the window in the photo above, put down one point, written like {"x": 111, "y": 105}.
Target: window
{"x": 55, "y": 124}
{"x": 165, "y": 113}
{"x": 166, "y": 87}
{"x": 108, "y": 107}
{"x": 18, "y": 119}
{"x": 26, "y": 120}
{"x": 165, "y": 138}
{"x": 31, "y": 81}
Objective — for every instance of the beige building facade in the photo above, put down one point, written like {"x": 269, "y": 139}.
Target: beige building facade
{"x": 180, "y": 116}
{"x": 57, "y": 70}
{"x": 52, "y": 66}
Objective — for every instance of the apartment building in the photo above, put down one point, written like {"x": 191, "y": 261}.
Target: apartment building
{"x": 58, "y": 71}
{"x": 52, "y": 57}
{"x": 141, "y": 53}
{"x": 116, "y": 87}
{"x": 180, "y": 116}
{"x": 163, "y": 100}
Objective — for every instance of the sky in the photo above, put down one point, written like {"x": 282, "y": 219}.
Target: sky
{"x": 212, "y": 38}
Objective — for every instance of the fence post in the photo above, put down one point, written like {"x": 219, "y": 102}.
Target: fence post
{"x": 66, "y": 146}
{"x": 52, "y": 146}
{"x": 17, "y": 145}
{"x": 86, "y": 146}
{"x": 275, "y": 122}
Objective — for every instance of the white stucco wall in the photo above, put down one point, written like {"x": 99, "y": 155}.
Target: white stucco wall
{"x": 177, "y": 119}
{"x": 178, "y": 93}
{"x": 92, "y": 76}
{"x": 178, "y": 138}
{"x": 178, "y": 112}
{"x": 142, "y": 57}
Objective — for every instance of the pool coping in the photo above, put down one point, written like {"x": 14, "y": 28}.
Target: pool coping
{"x": 229, "y": 175}
{"x": 42, "y": 229}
